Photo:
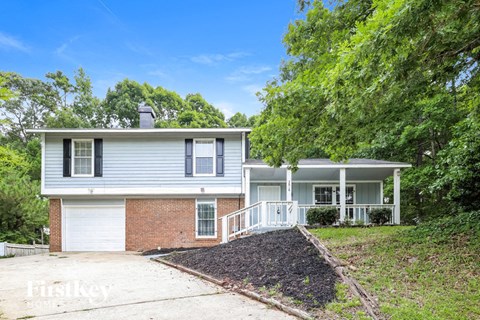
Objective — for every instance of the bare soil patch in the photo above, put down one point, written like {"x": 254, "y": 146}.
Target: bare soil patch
{"x": 280, "y": 263}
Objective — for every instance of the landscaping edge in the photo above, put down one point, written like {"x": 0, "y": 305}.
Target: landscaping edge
{"x": 355, "y": 288}
{"x": 248, "y": 293}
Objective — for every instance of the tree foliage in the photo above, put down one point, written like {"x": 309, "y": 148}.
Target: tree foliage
{"x": 385, "y": 79}
{"x": 121, "y": 106}
{"x": 240, "y": 120}
{"x": 32, "y": 101}
{"x": 22, "y": 211}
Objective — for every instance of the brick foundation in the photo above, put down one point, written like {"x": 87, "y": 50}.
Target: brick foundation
{"x": 55, "y": 215}
{"x": 169, "y": 223}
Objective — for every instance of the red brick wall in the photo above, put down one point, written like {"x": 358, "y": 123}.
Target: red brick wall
{"x": 169, "y": 223}
{"x": 152, "y": 223}
{"x": 55, "y": 216}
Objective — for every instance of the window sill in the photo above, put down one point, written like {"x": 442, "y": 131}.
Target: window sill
{"x": 206, "y": 237}
{"x": 82, "y": 176}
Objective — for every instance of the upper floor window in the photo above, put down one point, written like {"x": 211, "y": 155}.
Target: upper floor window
{"x": 204, "y": 155}
{"x": 82, "y": 160}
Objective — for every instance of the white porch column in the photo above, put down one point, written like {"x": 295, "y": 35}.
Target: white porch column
{"x": 247, "y": 196}
{"x": 288, "y": 188}
{"x": 247, "y": 187}
{"x": 224, "y": 230}
{"x": 396, "y": 196}
{"x": 343, "y": 200}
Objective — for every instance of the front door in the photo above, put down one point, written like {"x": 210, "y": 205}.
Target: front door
{"x": 276, "y": 210}
{"x": 269, "y": 193}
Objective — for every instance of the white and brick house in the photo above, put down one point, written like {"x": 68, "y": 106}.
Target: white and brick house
{"x": 140, "y": 189}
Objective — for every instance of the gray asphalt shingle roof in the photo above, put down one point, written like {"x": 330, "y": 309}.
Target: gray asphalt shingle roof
{"x": 326, "y": 162}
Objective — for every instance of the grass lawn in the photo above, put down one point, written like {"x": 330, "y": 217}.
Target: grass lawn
{"x": 414, "y": 274}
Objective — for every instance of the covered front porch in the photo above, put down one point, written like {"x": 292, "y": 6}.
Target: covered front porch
{"x": 278, "y": 197}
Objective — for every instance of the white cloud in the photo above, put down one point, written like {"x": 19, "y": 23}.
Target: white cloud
{"x": 9, "y": 42}
{"x": 100, "y": 86}
{"x": 245, "y": 73}
{"x": 226, "y": 107}
{"x": 252, "y": 89}
{"x": 62, "y": 50}
{"x": 139, "y": 49}
{"x": 254, "y": 69}
{"x": 157, "y": 73}
{"x": 215, "y": 58}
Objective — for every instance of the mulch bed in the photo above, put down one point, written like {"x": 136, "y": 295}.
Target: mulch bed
{"x": 165, "y": 251}
{"x": 279, "y": 261}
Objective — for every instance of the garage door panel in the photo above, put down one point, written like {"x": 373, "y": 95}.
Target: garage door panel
{"x": 94, "y": 228}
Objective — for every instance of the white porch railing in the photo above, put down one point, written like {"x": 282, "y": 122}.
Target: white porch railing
{"x": 263, "y": 214}
{"x": 275, "y": 214}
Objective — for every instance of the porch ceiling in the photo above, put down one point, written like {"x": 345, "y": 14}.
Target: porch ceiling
{"x": 268, "y": 174}
{"x": 320, "y": 174}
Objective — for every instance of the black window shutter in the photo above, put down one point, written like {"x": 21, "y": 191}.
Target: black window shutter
{"x": 247, "y": 147}
{"x": 67, "y": 157}
{"x": 188, "y": 157}
{"x": 98, "y": 147}
{"x": 220, "y": 157}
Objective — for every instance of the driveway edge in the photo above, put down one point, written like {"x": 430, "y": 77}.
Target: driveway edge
{"x": 248, "y": 293}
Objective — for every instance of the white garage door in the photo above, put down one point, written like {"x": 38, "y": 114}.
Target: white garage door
{"x": 94, "y": 227}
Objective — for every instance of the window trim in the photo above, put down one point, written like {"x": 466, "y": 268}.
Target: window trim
{"x": 214, "y": 201}
{"x": 214, "y": 157}
{"x": 92, "y": 160}
{"x": 334, "y": 197}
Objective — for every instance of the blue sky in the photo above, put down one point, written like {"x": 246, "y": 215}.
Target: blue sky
{"x": 226, "y": 50}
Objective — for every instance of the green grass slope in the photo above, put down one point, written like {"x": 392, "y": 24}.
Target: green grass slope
{"x": 431, "y": 271}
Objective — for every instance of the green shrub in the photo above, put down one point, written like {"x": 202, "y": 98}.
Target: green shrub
{"x": 347, "y": 222}
{"x": 380, "y": 216}
{"x": 322, "y": 216}
{"x": 359, "y": 223}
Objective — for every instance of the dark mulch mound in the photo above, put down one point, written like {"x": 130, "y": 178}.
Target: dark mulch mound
{"x": 166, "y": 250}
{"x": 281, "y": 259}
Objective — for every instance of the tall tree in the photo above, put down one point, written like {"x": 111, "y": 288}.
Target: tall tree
{"x": 385, "y": 79}
{"x": 238, "y": 120}
{"x": 122, "y": 102}
{"x": 5, "y": 93}
{"x": 32, "y": 101}
{"x": 202, "y": 113}
{"x": 22, "y": 211}
{"x": 77, "y": 106}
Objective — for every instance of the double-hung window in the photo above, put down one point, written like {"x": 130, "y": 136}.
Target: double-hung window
{"x": 204, "y": 154}
{"x": 206, "y": 219}
{"x": 323, "y": 195}
{"x": 330, "y": 194}
{"x": 82, "y": 159}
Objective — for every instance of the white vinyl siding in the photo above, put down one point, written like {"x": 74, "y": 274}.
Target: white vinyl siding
{"x": 143, "y": 163}
{"x": 82, "y": 158}
{"x": 206, "y": 219}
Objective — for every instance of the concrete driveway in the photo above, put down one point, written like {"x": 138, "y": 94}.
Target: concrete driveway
{"x": 114, "y": 286}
